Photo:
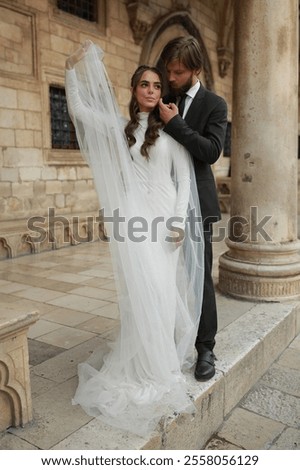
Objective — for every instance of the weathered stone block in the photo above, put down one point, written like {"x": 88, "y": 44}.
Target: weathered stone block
{"x": 15, "y": 393}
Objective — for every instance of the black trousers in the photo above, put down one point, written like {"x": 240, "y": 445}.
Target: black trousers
{"x": 208, "y": 321}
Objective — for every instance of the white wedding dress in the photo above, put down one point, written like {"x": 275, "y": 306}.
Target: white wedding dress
{"x": 140, "y": 379}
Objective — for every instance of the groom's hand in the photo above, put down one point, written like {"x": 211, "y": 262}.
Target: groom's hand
{"x": 167, "y": 111}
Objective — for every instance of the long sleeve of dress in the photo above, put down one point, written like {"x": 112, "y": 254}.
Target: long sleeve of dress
{"x": 76, "y": 107}
{"x": 93, "y": 123}
{"x": 182, "y": 175}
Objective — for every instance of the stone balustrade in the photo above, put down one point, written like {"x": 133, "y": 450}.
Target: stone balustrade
{"x": 54, "y": 231}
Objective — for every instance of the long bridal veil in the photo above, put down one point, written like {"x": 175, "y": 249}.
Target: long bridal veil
{"x": 141, "y": 378}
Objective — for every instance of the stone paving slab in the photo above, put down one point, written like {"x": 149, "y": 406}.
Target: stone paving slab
{"x": 290, "y": 359}
{"x": 288, "y": 440}
{"x": 273, "y": 404}
{"x": 54, "y": 417}
{"x": 283, "y": 379}
{"x": 64, "y": 366}
{"x": 249, "y": 431}
{"x": 40, "y": 352}
{"x": 97, "y": 435}
{"x": 268, "y": 417}
{"x": 10, "y": 442}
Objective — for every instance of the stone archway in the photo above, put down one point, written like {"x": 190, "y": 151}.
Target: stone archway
{"x": 166, "y": 28}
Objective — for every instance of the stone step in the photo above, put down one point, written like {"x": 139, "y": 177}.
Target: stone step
{"x": 245, "y": 350}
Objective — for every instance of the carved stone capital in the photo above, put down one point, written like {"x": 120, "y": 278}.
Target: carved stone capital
{"x": 181, "y": 5}
{"x": 141, "y": 18}
{"x": 224, "y": 60}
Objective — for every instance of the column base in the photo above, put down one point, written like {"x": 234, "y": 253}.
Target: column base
{"x": 261, "y": 272}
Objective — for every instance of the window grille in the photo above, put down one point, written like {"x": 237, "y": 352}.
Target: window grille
{"x": 63, "y": 135}
{"x": 85, "y": 9}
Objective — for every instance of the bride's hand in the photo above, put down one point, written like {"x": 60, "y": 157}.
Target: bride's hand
{"x": 78, "y": 54}
{"x": 177, "y": 236}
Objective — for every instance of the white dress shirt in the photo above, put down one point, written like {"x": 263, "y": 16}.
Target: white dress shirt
{"x": 190, "y": 95}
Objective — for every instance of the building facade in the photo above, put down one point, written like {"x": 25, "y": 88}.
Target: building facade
{"x": 43, "y": 176}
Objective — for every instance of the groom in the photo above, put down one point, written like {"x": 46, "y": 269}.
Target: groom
{"x": 200, "y": 128}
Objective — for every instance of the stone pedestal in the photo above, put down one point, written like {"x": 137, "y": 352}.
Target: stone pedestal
{"x": 15, "y": 392}
{"x": 261, "y": 272}
{"x": 263, "y": 261}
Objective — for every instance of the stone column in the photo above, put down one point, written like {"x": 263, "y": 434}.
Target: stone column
{"x": 263, "y": 261}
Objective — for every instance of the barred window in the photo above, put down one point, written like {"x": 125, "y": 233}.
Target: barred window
{"x": 85, "y": 9}
{"x": 63, "y": 135}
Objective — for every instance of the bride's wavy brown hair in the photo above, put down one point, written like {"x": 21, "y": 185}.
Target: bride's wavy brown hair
{"x": 154, "y": 121}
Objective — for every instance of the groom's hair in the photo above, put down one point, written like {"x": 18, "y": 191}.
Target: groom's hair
{"x": 186, "y": 49}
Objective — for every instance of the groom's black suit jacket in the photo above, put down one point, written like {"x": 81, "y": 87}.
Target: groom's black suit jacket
{"x": 202, "y": 133}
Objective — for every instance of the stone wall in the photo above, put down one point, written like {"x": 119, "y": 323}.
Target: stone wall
{"x": 35, "y": 39}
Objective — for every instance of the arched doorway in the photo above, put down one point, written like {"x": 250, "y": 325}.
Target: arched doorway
{"x": 171, "y": 26}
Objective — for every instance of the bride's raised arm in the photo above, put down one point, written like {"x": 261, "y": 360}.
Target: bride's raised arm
{"x": 79, "y": 97}
{"x": 93, "y": 110}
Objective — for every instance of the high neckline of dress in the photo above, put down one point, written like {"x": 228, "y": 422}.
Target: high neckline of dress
{"x": 143, "y": 115}
{"x": 143, "y": 119}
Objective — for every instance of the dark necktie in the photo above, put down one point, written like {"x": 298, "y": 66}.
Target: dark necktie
{"x": 181, "y": 104}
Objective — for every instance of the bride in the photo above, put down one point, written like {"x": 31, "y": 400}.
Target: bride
{"x": 146, "y": 177}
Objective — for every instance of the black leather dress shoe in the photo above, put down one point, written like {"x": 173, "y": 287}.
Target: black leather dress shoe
{"x": 205, "y": 366}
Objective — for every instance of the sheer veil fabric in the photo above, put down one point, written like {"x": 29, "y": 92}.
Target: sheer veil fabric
{"x": 141, "y": 378}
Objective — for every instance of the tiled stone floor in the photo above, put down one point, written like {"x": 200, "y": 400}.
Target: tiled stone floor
{"x": 73, "y": 290}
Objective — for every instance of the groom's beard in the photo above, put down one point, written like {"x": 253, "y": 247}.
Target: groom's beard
{"x": 183, "y": 89}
